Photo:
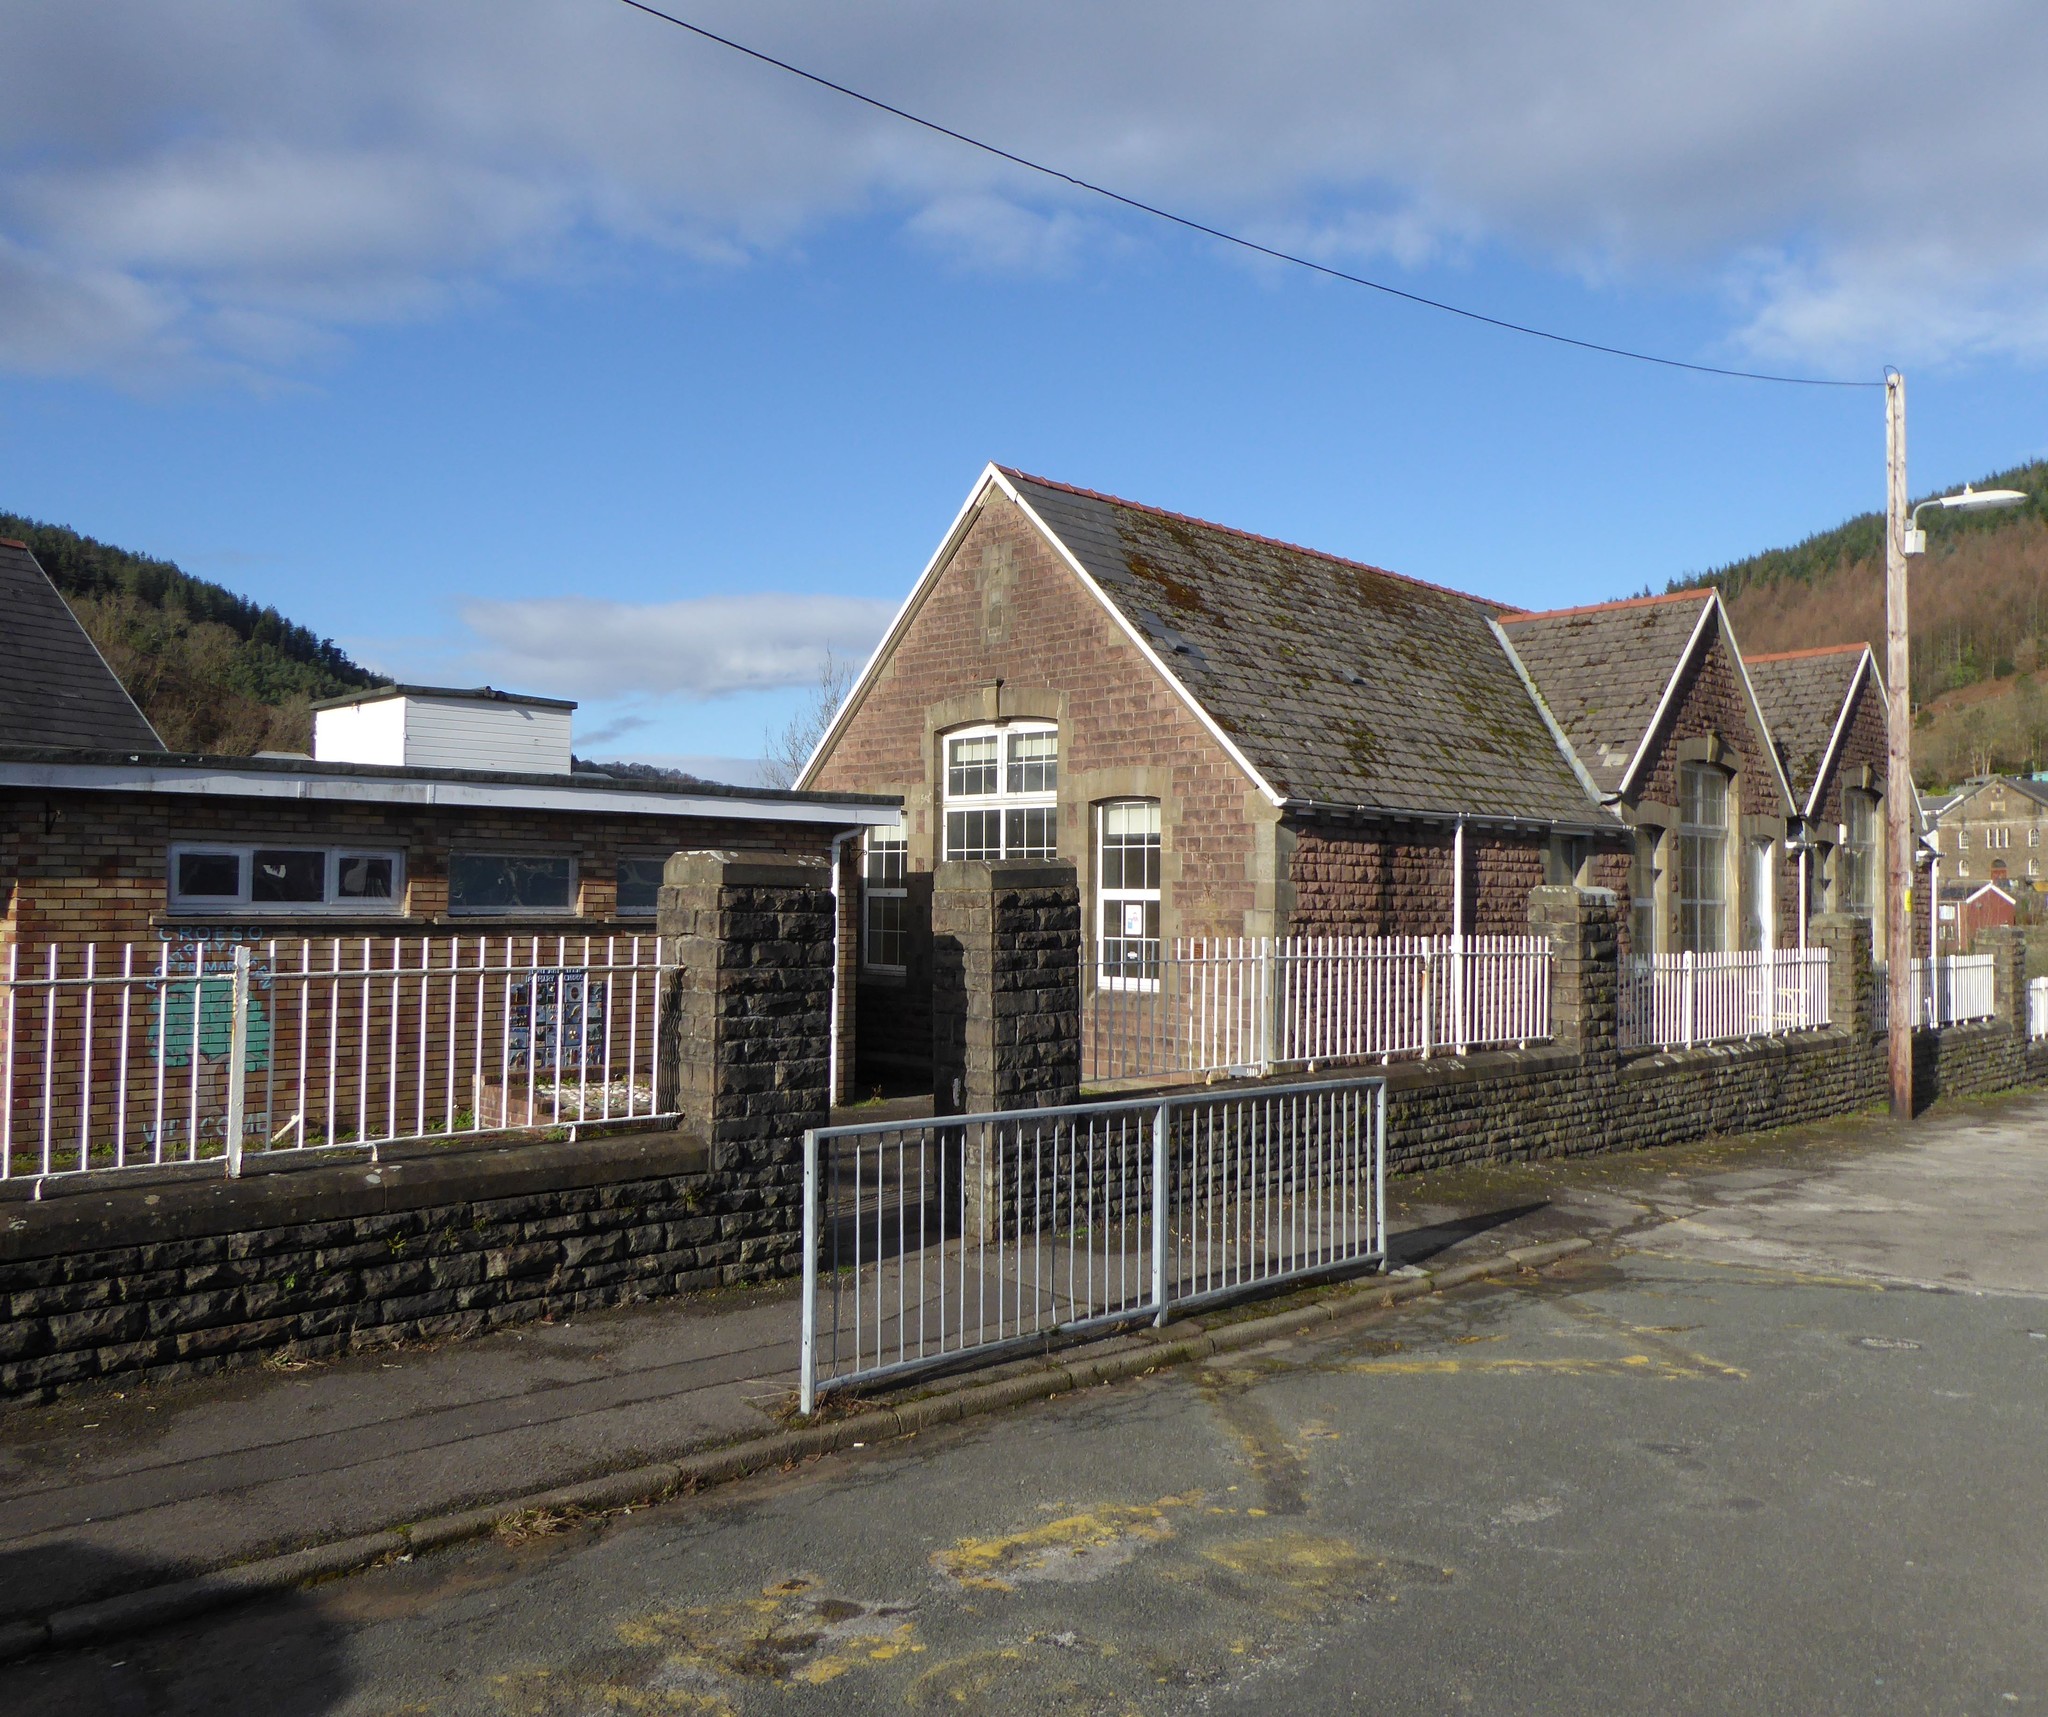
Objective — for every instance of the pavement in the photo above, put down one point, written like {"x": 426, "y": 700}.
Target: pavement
{"x": 1741, "y": 1417}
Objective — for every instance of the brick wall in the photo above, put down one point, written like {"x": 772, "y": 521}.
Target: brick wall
{"x": 1387, "y": 882}
{"x": 93, "y": 866}
{"x": 1006, "y": 607}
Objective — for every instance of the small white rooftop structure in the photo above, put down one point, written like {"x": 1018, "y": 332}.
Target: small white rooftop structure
{"x": 445, "y": 727}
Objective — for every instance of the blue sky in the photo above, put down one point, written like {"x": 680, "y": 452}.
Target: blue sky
{"x": 534, "y": 342}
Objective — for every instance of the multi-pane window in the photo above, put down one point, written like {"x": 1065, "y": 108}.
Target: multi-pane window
{"x": 1002, "y": 788}
{"x": 1127, "y": 888}
{"x": 511, "y": 882}
{"x": 284, "y": 879}
{"x": 885, "y": 906}
{"x": 1702, "y": 891}
{"x": 1857, "y": 861}
{"x": 1998, "y": 838}
{"x": 2034, "y": 835}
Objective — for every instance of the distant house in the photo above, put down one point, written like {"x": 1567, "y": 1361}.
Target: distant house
{"x": 1227, "y": 735}
{"x": 1653, "y": 699}
{"x": 1984, "y": 907}
{"x": 1990, "y": 830}
{"x": 1827, "y": 708}
{"x": 429, "y": 810}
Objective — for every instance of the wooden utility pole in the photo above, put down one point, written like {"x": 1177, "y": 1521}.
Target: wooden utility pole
{"x": 1900, "y": 819}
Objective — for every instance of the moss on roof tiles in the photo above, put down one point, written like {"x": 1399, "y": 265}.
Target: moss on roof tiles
{"x": 1340, "y": 683}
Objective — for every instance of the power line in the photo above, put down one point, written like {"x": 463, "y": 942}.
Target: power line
{"x": 1192, "y": 225}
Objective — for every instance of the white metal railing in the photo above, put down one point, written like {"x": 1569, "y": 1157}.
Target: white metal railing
{"x": 1247, "y": 1004}
{"x": 969, "y": 1235}
{"x": 2037, "y": 1008}
{"x": 1675, "y": 1001}
{"x": 1950, "y": 990}
{"x": 154, "y": 1055}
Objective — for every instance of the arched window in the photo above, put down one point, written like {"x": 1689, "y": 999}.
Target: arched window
{"x": 1002, "y": 792}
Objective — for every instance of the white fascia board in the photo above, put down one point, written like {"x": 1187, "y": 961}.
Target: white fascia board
{"x": 1789, "y": 799}
{"x": 1708, "y": 610}
{"x": 1864, "y": 665}
{"x": 1144, "y": 647}
{"x": 1557, "y": 733}
{"x": 901, "y": 624}
{"x": 471, "y": 795}
{"x": 1663, "y": 708}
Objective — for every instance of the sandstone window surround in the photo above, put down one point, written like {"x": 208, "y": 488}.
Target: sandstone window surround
{"x": 1127, "y": 871}
{"x": 212, "y": 876}
{"x": 1002, "y": 791}
{"x": 885, "y": 901}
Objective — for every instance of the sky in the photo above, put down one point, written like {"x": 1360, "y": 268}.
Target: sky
{"x": 540, "y": 343}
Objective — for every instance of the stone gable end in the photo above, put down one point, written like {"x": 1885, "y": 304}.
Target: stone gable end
{"x": 1709, "y": 699}
{"x": 1005, "y": 605}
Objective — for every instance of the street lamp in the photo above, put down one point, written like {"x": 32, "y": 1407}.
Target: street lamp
{"x": 1903, "y": 537}
{"x": 1969, "y": 501}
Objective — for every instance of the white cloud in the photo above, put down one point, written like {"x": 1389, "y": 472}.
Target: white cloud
{"x": 701, "y": 647}
{"x": 215, "y": 183}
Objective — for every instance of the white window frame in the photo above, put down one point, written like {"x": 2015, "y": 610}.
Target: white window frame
{"x": 1859, "y": 860}
{"x": 331, "y": 904}
{"x": 565, "y": 911}
{"x": 1006, "y": 801}
{"x": 1125, "y": 898}
{"x": 1688, "y": 907}
{"x": 885, "y": 848}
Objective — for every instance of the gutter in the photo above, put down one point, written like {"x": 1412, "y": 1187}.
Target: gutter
{"x": 219, "y": 781}
{"x": 1451, "y": 819}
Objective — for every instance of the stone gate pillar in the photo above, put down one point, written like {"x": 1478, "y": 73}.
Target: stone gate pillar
{"x": 2007, "y": 946}
{"x": 1852, "y": 975}
{"x": 1006, "y": 985}
{"x": 1584, "y": 928}
{"x": 746, "y": 1029}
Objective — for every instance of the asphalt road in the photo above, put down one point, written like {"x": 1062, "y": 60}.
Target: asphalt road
{"x": 1784, "y": 1448}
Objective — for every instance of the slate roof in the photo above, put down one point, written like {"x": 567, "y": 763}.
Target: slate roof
{"x": 55, "y": 687}
{"x": 1801, "y": 693}
{"x": 1602, "y": 670}
{"x": 1342, "y": 684}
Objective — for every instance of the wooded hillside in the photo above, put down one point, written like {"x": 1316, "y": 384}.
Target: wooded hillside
{"x": 1979, "y": 621}
{"x": 213, "y": 671}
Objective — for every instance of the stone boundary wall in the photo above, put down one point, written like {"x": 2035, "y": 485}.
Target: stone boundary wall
{"x": 184, "y": 1277}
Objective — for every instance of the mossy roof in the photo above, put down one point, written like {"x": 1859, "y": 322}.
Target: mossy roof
{"x": 1603, "y": 671}
{"x": 1801, "y": 695}
{"x": 1342, "y": 684}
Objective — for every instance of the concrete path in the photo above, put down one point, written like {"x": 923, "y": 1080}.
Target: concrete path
{"x": 111, "y": 1490}
{"x": 1735, "y": 1460}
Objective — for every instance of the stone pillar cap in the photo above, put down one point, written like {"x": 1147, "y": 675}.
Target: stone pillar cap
{"x": 725, "y": 869}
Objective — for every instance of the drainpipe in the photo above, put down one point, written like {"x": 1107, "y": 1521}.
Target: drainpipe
{"x": 1805, "y": 852}
{"x": 838, "y": 966}
{"x": 1458, "y": 937}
